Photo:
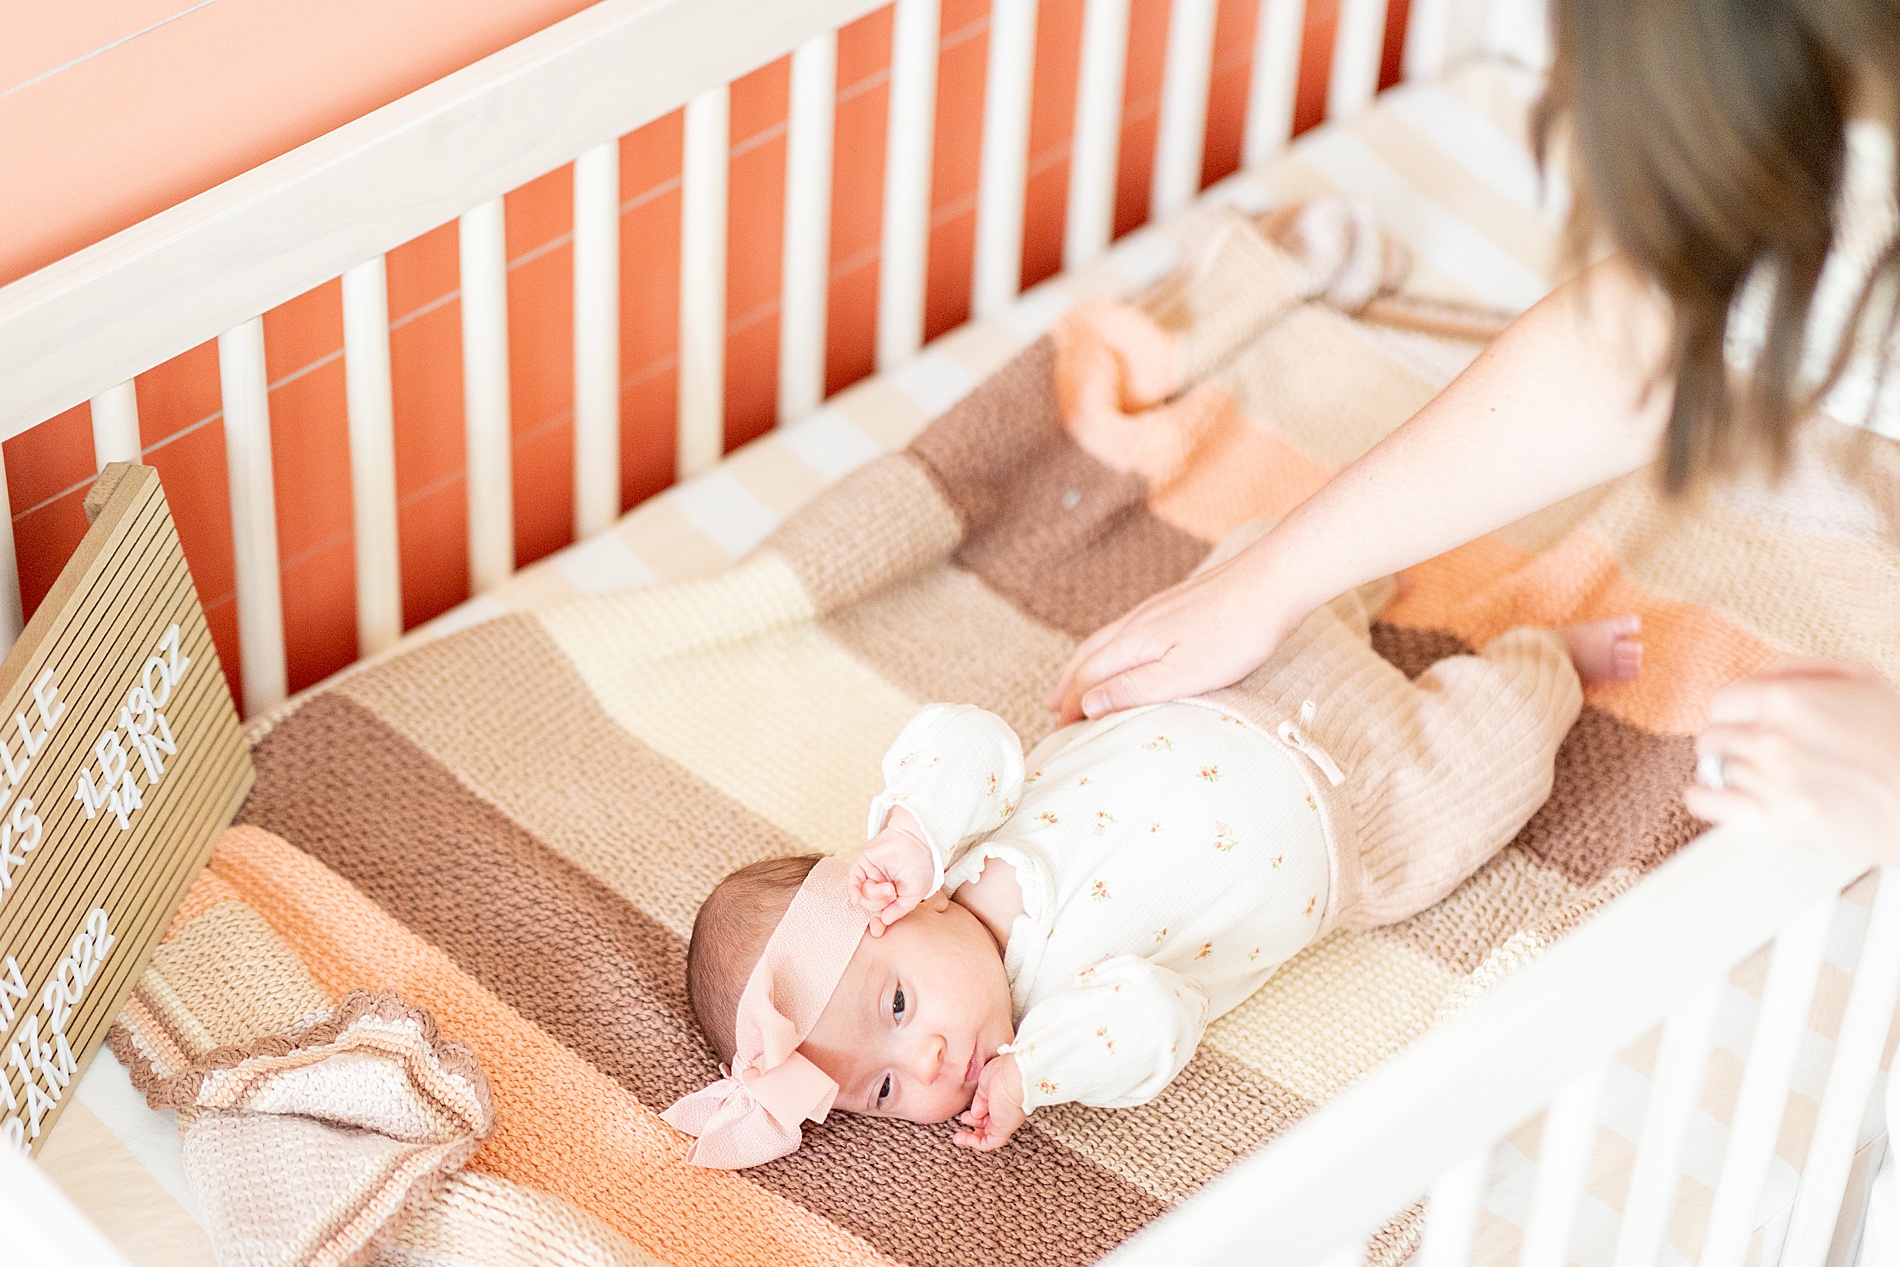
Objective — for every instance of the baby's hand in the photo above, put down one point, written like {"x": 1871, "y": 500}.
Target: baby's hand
{"x": 893, "y": 872}
{"x": 997, "y": 1110}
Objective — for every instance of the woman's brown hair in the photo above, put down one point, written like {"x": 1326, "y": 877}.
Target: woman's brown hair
{"x": 1707, "y": 138}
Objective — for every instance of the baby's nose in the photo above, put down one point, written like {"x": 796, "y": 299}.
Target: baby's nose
{"x": 929, "y": 1059}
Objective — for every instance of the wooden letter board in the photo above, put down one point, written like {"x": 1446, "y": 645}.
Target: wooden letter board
{"x": 120, "y": 762}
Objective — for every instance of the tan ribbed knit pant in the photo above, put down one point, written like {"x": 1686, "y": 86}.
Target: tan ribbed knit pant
{"x": 1440, "y": 772}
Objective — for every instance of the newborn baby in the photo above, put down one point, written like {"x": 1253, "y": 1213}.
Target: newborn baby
{"x": 1023, "y": 933}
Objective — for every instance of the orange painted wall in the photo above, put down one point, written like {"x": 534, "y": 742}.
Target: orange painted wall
{"x": 113, "y": 113}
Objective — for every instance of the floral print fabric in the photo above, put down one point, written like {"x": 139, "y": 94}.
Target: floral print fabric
{"x": 1170, "y": 859}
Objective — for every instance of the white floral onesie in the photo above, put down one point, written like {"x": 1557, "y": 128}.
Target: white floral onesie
{"x": 1170, "y": 859}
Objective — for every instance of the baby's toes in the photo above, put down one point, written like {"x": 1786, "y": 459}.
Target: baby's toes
{"x": 1626, "y": 660}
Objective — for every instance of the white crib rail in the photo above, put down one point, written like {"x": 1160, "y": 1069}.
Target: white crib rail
{"x": 999, "y": 209}
{"x": 597, "y": 339}
{"x": 1181, "y": 134}
{"x": 1096, "y": 142}
{"x": 260, "y": 609}
{"x": 702, "y": 380}
{"x": 803, "y": 294}
{"x": 1427, "y": 1119}
{"x": 369, "y": 390}
{"x": 909, "y": 143}
{"x": 486, "y": 408}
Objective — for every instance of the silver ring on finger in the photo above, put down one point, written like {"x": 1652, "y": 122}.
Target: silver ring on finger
{"x": 1711, "y": 770}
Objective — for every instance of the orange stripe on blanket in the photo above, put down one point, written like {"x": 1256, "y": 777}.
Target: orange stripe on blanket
{"x": 1482, "y": 589}
{"x": 1209, "y": 469}
{"x": 1112, "y": 358}
{"x": 1240, "y": 472}
{"x": 612, "y": 1156}
{"x": 205, "y": 892}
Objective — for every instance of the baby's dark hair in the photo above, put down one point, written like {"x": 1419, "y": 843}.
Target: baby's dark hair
{"x": 729, "y": 935}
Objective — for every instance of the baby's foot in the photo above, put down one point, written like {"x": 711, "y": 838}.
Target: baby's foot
{"x": 1606, "y": 650}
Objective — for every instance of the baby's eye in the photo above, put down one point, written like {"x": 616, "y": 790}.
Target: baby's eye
{"x": 897, "y": 1004}
{"x": 884, "y": 1091}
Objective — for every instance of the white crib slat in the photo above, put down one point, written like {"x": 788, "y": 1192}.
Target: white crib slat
{"x": 491, "y": 512}
{"x": 596, "y": 339}
{"x": 1357, "y": 48}
{"x": 1675, "y": 1092}
{"x": 1427, "y": 38}
{"x": 12, "y": 611}
{"x": 1781, "y": 1020}
{"x": 260, "y": 609}
{"x": 702, "y": 373}
{"x": 1181, "y": 135}
{"x": 1276, "y": 79}
{"x": 807, "y": 264}
{"x": 1563, "y": 1163}
{"x": 904, "y": 253}
{"x": 1095, "y": 151}
{"x": 1850, "y": 1081}
{"x": 1515, "y": 29}
{"x": 1451, "y": 1213}
{"x": 999, "y": 193}
{"x": 372, "y": 455}
{"x": 115, "y": 424}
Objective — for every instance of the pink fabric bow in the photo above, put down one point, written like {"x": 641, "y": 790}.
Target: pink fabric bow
{"x": 754, "y": 1113}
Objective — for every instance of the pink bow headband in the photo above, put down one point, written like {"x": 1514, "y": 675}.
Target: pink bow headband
{"x": 753, "y": 1114}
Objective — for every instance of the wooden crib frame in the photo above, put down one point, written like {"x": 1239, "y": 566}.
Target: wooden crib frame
{"x": 1422, "y": 1123}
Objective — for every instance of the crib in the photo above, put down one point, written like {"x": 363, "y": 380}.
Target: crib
{"x": 1543, "y": 1046}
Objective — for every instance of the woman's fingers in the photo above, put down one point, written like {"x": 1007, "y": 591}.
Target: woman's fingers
{"x": 1147, "y": 683}
{"x": 1724, "y": 806}
{"x": 1756, "y": 747}
{"x": 1061, "y": 693}
{"x": 1786, "y": 694}
{"x": 1806, "y": 667}
{"x": 1137, "y": 647}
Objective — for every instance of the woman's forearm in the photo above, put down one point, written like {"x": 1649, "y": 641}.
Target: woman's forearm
{"x": 1570, "y": 396}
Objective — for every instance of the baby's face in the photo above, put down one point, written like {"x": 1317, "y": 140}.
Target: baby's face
{"x": 917, "y": 1015}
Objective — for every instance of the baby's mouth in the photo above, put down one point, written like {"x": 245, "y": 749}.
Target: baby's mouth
{"x": 975, "y": 1069}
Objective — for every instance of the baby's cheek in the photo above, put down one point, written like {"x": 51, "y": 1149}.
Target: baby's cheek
{"x": 952, "y": 1105}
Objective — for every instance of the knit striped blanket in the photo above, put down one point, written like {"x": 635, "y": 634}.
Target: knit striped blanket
{"x": 512, "y": 826}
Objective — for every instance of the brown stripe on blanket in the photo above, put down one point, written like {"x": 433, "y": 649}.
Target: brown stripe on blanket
{"x": 1617, "y": 801}
{"x": 883, "y": 522}
{"x": 1056, "y": 532}
{"x": 982, "y": 441}
{"x": 603, "y": 978}
{"x": 642, "y": 825}
{"x": 1412, "y": 651}
{"x": 945, "y": 635}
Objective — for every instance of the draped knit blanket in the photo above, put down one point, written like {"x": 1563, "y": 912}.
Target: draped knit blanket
{"x": 513, "y": 826}
{"x": 303, "y": 1147}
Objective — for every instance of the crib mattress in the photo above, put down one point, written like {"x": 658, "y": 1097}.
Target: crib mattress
{"x": 1447, "y": 168}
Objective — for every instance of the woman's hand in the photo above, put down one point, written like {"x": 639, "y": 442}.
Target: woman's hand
{"x": 997, "y": 1111}
{"x": 892, "y": 873}
{"x": 1810, "y": 750}
{"x": 1207, "y": 632}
